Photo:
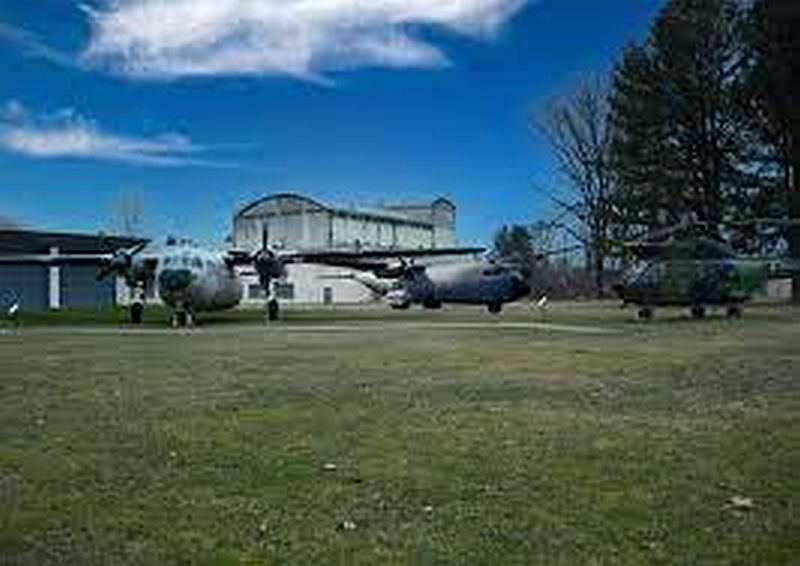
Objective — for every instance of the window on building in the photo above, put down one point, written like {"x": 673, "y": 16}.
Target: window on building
{"x": 256, "y": 291}
{"x": 284, "y": 291}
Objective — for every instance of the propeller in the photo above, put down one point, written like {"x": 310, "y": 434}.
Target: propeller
{"x": 266, "y": 262}
{"x": 120, "y": 262}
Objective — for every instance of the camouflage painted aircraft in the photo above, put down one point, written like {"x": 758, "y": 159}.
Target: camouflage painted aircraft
{"x": 696, "y": 271}
{"x": 474, "y": 283}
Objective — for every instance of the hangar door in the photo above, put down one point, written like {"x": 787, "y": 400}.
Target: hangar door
{"x": 80, "y": 288}
{"x": 26, "y": 283}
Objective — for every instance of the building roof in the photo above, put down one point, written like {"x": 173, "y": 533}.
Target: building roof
{"x": 389, "y": 213}
{"x": 39, "y": 242}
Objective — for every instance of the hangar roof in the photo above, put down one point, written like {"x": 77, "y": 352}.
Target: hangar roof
{"x": 293, "y": 203}
{"x": 38, "y": 242}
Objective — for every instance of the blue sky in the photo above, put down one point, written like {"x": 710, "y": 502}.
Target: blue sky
{"x": 203, "y": 110}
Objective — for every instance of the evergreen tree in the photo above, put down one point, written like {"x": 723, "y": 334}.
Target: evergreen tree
{"x": 514, "y": 243}
{"x": 680, "y": 137}
{"x": 775, "y": 81}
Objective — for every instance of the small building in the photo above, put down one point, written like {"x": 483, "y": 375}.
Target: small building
{"x": 295, "y": 222}
{"x": 39, "y": 285}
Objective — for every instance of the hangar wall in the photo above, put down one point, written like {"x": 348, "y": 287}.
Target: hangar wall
{"x": 41, "y": 286}
{"x": 296, "y": 222}
{"x": 27, "y": 284}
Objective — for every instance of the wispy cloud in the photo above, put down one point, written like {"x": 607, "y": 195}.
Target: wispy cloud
{"x": 157, "y": 39}
{"x": 67, "y": 134}
{"x": 32, "y": 46}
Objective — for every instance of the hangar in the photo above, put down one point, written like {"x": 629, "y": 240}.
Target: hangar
{"x": 297, "y": 222}
{"x": 40, "y": 286}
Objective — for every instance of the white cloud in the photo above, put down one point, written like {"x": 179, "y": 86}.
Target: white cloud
{"x": 66, "y": 134}
{"x": 302, "y": 38}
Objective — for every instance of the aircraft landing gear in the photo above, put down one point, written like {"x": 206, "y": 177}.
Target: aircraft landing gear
{"x": 646, "y": 313}
{"x": 734, "y": 311}
{"x": 698, "y": 312}
{"x": 273, "y": 310}
{"x": 432, "y": 304}
{"x": 182, "y": 319}
{"x": 495, "y": 308}
{"x": 137, "y": 313}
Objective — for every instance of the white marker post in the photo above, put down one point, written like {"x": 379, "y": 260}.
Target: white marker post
{"x": 55, "y": 282}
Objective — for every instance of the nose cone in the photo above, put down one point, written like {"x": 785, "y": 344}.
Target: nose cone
{"x": 519, "y": 287}
{"x": 175, "y": 280}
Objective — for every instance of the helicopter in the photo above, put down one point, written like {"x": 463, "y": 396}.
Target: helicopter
{"x": 692, "y": 265}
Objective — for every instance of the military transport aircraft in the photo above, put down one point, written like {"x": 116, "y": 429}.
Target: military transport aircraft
{"x": 487, "y": 283}
{"x": 194, "y": 279}
{"x": 696, "y": 270}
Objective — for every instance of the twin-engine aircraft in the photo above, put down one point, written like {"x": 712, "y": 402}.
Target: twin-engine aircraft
{"x": 192, "y": 279}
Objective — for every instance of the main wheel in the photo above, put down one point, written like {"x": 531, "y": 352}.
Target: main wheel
{"x": 180, "y": 319}
{"x": 734, "y": 311}
{"x": 273, "y": 310}
{"x": 645, "y": 313}
{"x": 698, "y": 312}
{"x": 137, "y": 313}
{"x": 495, "y": 308}
{"x": 432, "y": 304}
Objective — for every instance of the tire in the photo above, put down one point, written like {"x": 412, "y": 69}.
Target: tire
{"x": 137, "y": 313}
{"x": 180, "y": 319}
{"x": 734, "y": 311}
{"x": 495, "y": 308}
{"x": 273, "y": 310}
{"x": 698, "y": 312}
{"x": 646, "y": 313}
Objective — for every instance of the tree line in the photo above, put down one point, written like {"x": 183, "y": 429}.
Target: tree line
{"x": 700, "y": 122}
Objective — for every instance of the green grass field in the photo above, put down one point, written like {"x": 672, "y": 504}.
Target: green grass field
{"x": 371, "y": 437}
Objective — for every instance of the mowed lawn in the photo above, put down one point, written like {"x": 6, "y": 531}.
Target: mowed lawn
{"x": 371, "y": 438}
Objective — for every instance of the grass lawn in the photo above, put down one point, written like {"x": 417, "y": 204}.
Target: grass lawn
{"x": 376, "y": 441}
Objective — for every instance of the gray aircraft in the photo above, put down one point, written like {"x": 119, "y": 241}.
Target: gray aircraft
{"x": 192, "y": 279}
{"x": 485, "y": 283}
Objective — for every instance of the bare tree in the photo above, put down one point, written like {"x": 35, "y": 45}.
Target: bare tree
{"x": 576, "y": 128}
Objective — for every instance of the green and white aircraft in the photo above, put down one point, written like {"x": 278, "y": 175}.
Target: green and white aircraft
{"x": 697, "y": 271}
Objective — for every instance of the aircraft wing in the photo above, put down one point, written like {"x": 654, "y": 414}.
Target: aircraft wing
{"x": 374, "y": 260}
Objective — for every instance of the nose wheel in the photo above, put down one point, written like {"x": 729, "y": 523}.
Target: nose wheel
{"x": 646, "y": 313}
{"x": 182, "y": 319}
{"x": 137, "y": 313}
{"x": 273, "y": 310}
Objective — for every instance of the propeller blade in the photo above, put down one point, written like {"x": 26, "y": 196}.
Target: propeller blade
{"x": 137, "y": 248}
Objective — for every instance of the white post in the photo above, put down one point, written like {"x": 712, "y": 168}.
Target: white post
{"x": 55, "y": 282}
